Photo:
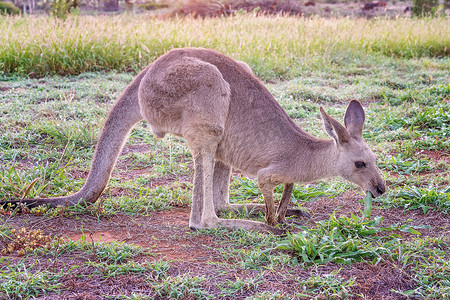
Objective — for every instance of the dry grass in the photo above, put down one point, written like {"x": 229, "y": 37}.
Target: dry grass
{"x": 274, "y": 46}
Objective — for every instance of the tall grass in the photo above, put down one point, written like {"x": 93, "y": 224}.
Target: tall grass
{"x": 273, "y": 46}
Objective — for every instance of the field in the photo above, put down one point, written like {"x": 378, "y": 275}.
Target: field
{"x": 59, "y": 79}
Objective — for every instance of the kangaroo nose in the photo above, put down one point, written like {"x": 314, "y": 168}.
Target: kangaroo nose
{"x": 381, "y": 189}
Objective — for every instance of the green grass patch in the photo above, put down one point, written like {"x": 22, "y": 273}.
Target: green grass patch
{"x": 425, "y": 199}
{"x": 343, "y": 240}
{"x": 181, "y": 286}
{"x": 18, "y": 281}
{"x": 111, "y": 253}
{"x": 156, "y": 270}
{"x": 328, "y": 286}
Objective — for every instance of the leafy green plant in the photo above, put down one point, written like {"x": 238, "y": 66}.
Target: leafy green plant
{"x": 60, "y": 9}
{"x": 343, "y": 240}
{"x": 8, "y": 8}
{"x": 422, "y": 8}
{"x": 266, "y": 295}
{"x": 243, "y": 188}
{"x": 328, "y": 247}
{"x": 16, "y": 184}
{"x": 255, "y": 258}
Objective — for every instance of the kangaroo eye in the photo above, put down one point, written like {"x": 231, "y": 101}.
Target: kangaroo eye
{"x": 360, "y": 164}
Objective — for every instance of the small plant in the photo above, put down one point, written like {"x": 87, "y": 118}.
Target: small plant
{"x": 26, "y": 240}
{"x": 153, "y": 5}
{"x": 180, "y": 287}
{"x": 430, "y": 266}
{"x": 8, "y": 8}
{"x": 61, "y": 9}
{"x": 328, "y": 286}
{"x": 422, "y": 8}
{"x": 156, "y": 270}
{"x": 230, "y": 288}
{"x": 111, "y": 253}
{"x": 269, "y": 296}
{"x": 115, "y": 252}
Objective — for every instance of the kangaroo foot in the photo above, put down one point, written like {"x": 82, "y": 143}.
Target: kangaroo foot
{"x": 251, "y": 225}
{"x": 243, "y": 224}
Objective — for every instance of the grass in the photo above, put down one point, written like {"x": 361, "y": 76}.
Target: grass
{"x": 181, "y": 286}
{"x": 49, "y": 125}
{"x": 345, "y": 240}
{"x": 329, "y": 286}
{"x": 278, "y": 46}
{"x": 18, "y": 282}
{"x": 155, "y": 271}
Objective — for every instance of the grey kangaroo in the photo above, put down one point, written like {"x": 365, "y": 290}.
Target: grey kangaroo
{"x": 229, "y": 120}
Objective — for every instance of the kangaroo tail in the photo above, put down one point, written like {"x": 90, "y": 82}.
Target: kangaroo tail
{"x": 121, "y": 119}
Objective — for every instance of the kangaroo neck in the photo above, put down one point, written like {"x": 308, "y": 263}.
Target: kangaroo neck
{"x": 315, "y": 159}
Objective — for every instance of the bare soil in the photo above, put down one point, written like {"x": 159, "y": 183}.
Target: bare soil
{"x": 165, "y": 235}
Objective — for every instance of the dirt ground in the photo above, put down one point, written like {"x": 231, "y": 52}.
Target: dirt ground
{"x": 165, "y": 235}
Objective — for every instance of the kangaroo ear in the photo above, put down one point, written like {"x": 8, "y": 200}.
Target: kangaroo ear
{"x": 334, "y": 128}
{"x": 354, "y": 119}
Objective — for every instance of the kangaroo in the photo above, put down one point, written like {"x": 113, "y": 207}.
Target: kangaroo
{"x": 229, "y": 120}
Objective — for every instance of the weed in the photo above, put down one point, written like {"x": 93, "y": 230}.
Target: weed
{"x": 269, "y": 296}
{"x": 26, "y": 240}
{"x": 14, "y": 182}
{"x": 19, "y": 281}
{"x": 115, "y": 252}
{"x": 344, "y": 240}
{"x": 403, "y": 165}
{"x": 429, "y": 262}
{"x": 156, "y": 270}
{"x": 111, "y": 253}
{"x": 181, "y": 286}
{"x": 232, "y": 288}
{"x": 255, "y": 258}
{"x": 421, "y": 198}
{"x": 144, "y": 200}
{"x": 328, "y": 286}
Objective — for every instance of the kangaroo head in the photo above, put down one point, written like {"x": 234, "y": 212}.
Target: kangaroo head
{"x": 355, "y": 161}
